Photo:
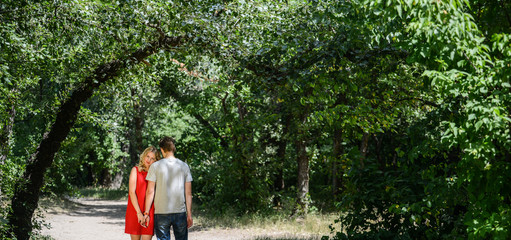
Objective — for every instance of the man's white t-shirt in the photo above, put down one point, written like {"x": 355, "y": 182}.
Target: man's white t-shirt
{"x": 170, "y": 175}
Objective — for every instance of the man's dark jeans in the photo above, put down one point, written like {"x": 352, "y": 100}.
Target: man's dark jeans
{"x": 162, "y": 223}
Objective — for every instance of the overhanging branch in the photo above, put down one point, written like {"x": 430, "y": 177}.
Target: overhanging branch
{"x": 26, "y": 195}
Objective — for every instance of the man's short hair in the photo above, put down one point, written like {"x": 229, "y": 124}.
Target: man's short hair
{"x": 167, "y": 144}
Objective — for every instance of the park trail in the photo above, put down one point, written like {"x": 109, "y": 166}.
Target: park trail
{"x": 78, "y": 219}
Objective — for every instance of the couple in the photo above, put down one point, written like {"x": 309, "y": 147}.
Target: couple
{"x": 169, "y": 183}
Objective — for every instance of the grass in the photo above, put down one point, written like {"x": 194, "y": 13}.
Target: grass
{"x": 313, "y": 226}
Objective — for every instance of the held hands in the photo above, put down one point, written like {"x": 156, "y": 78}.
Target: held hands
{"x": 146, "y": 220}
{"x": 141, "y": 219}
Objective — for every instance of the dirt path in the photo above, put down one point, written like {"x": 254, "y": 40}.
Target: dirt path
{"x": 88, "y": 218}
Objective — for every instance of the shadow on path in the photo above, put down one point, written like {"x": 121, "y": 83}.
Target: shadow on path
{"x": 112, "y": 210}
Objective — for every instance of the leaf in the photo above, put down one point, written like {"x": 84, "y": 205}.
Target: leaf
{"x": 479, "y": 124}
{"x": 409, "y": 3}
{"x": 453, "y": 4}
{"x": 462, "y": 63}
{"x": 483, "y": 90}
{"x": 497, "y": 111}
{"x": 399, "y": 11}
{"x": 467, "y": 3}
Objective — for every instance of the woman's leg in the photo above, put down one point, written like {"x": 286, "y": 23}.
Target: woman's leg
{"x": 135, "y": 237}
{"x": 147, "y": 237}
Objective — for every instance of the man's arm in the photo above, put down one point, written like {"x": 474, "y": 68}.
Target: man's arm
{"x": 149, "y": 197}
{"x": 188, "y": 195}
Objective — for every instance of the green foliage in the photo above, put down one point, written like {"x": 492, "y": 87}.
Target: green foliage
{"x": 453, "y": 196}
{"x": 402, "y": 106}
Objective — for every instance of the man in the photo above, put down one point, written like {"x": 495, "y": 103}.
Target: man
{"x": 169, "y": 184}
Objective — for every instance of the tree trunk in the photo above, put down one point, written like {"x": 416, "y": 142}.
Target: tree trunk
{"x": 279, "y": 183}
{"x": 114, "y": 181}
{"x": 363, "y": 148}
{"x": 134, "y": 134}
{"x": 26, "y": 192}
{"x": 139, "y": 124}
{"x": 379, "y": 151}
{"x": 303, "y": 178}
{"x": 138, "y": 121}
{"x": 337, "y": 156}
{"x": 338, "y": 151}
{"x": 245, "y": 168}
{"x": 119, "y": 176}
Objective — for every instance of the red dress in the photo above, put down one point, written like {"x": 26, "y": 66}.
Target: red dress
{"x": 132, "y": 226}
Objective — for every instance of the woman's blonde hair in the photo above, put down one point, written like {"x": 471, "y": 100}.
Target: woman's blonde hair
{"x": 141, "y": 165}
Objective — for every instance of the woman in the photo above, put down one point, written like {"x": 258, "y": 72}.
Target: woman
{"x": 137, "y": 188}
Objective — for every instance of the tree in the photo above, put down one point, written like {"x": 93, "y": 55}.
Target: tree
{"x": 26, "y": 193}
{"x": 444, "y": 39}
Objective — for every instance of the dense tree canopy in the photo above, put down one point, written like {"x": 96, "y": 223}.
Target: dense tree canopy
{"x": 394, "y": 114}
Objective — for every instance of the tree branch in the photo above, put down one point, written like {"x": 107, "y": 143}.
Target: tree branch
{"x": 178, "y": 97}
{"x": 26, "y": 193}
